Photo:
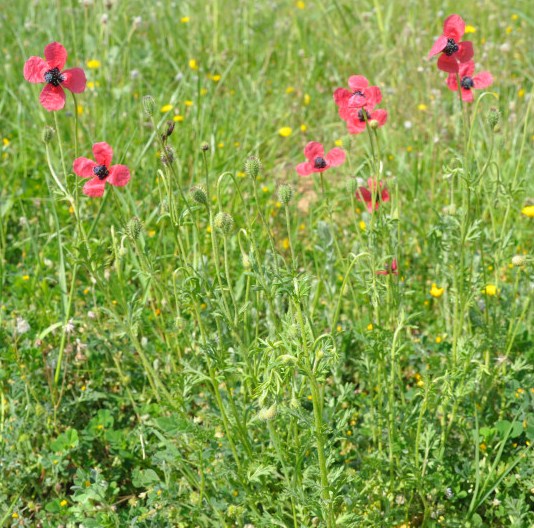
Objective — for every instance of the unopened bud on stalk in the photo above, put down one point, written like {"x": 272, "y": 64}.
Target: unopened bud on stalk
{"x": 224, "y": 223}
{"x": 252, "y": 167}
{"x": 149, "y": 105}
{"x": 168, "y": 131}
{"x": 519, "y": 260}
{"x": 246, "y": 261}
{"x": 267, "y": 414}
{"x": 494, "y": 118}
{"x": 204, "y": 147}
{"x": 134, "y": 228}
{"x": 167, "y": 155}
{"x": 48, "y": 134}
{"x": 285, "y": 193}
{"x": 199, "y": 194}
{"x": 374, "y": 123}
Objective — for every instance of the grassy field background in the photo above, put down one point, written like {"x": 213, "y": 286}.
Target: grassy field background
{"x": 155, "y": 371}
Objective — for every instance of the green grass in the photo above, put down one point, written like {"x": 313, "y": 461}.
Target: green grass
{"x": 175, "y": 375}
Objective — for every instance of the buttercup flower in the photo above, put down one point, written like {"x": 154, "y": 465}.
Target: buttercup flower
{"x": 449, "y": 45}
{"x": 100, "y": 171}
{"x": 390, "y": 270}
{"x": 468, "y": 81}
{"x": 528, "y": 210}
{"x": 360, "y": 95}
{"x": 436, "y": 292}
{"x": 358, "y": 120}
{"x": 48, "y": 70}
{"x": 317, "y": 160}
{"x": 372, "y": 192}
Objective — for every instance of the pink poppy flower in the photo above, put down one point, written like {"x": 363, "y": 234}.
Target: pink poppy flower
{"x": 48, "y": 70}
{"x": 468, "y": 81}
{"x": 318, "y": 161}
{"x": 356, "y": 120}
{"x": 100, "y": 171}
{"x": 360, "y": 95}
{"x": 449, "y": 45}
{"x": 365, "y": 194}
{"x": 390, "y": 270}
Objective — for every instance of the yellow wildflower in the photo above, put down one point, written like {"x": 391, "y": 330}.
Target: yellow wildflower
{"x": 422, "y": 107}
{"x": 338, "y": 142}
{"x": 370, "y": 326}
{"x": 285, "y": 131}
{"x": 515, "y": 16}
{"x": 63, "y": 503}
{"x": 521, "y": 93}
{"x": 509, "y": 29}
{"x": 25, "y": 277}
{"x": 203, "y": 91}
{"x": 91, "y": 85}
{"x": 285, "y": 243}
{"x": 178, "y": 118}
{"x": 93, "y": 64}
{"x": 79, "y": 109}
{"x": 166, "y": 108}
{"x": 216, "y": 77}
{"x": 490, "y": 289}
{"x": 189, "y": 103}
{"x": 193, "y": 64}
{"x": 470, "y": 29}
{"x": 300, "y": 4}
{"x": 436, "y": 292}
{"x": 184, "y": 20}
{"x": 307, "y": 99}
{"x": 6, "y": 142}
{"x": 290, "y": 90}
{"x": 438, "y": 339}
{"x": 152, "y": 233}
{"x": 303, "y": 128}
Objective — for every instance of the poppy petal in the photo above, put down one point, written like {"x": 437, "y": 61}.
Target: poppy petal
{"x": 52, "y": 97}
{"x": 447, "y": 64}
{"x": 305, "y": 169}
{"x": 454, "y": 27}
{"x": 467, "y": 69}
{"x": 103, "y": 153}
{"x": 465, "y": 51}
{"x": 84, "y": 167}
{"x": 381, "y": 116}
{"x": 384, "y": 196}
{"x": 342, "y": 96}
{"x": 335, "y": 157}
{"x": 483, "y": 80}
{"x": 56, "y": 55}
{"x": 363, "y": 194}
{"x": 34, "y": 70}
{"x": 355, "y": 126}
{"x": 374, "y": 97}
{"x": 119, "y": 175}
{"x": 467, "y": 95}
{"x": 313, "y": 150}
{"x": 438, "y": 46}
{"x": 94, "y": 187}
{"x": 74, "y": 80}
{"x": 358, "y": 82}
{"x": 452, "y": 82}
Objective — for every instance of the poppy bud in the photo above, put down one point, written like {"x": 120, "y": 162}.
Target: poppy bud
{"x": 519, "y": 260}
{"x": 167, "y": 155}
{"x": 246, "y": 261}
{"x": 48, "y": 134}
{"x": 285, "y": 193}
{"x": 224, "y": 223}
{"x": 199, "y": 194}
{"x": 169, "y": 131}
{"x": 267, "y": 414}
{"x": 204, "y": 147}
{"x": 149, "y": 105}
{"x": 494, "y": 118}
{"x": 374, "y": 123}
{"x": 134, "y": 228}
{"x": 253, "y": 167}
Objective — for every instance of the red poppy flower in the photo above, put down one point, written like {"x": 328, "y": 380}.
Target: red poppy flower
{"x": 449, "y": 45}
{"x": 468, "y": 81}
{"x": 390, "y": 270}
{"x": 100, "y": 171}
{"x": 357, "y": 120}
{"x": 318, "y": 161}
{"x": 48, "y": 70}
{"x": 360, "y": 95}
{"x": 365, "y": 194}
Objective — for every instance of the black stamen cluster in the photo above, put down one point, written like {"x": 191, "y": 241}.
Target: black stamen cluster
{"x": 363, "y": 116}
{"x": 54, "y": 77}
{"x": 101, "y": 171}
{"x": 319, "y": 162}
{"x": 451, "y": 47}
{"x": 467, "y": 83}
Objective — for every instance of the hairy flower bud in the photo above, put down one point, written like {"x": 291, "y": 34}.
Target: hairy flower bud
{"x": 199, "y": 195}
{"x": 204, "y": 147}
{"x": 149, "y": 105}
{"x": 285, "y": 193}
{"x": 48, "y": 134}
{"x": 519, "y": 260}
{"x": 267, "y": 413}
{"x": 494, "y": 118}
{"x": 167, "y": 155}
{"x": 134, "y": 228}
{"x": 252, "y": 167}
{"x": 374, "y": 123}
{"x": 224, "y": 223}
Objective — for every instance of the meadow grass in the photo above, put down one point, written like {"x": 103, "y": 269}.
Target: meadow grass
{"x": 211, "y": 345}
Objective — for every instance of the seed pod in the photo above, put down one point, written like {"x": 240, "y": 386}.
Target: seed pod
{"x": 285, "y": 193}
{"x": 204, "y": 147}
{"x": 224, "y": 223}
{"x": 199, "y": 194}
{"x": 252, "y": 167}
{"x": 134, "y": 228}
{"x": 149, "y": 105}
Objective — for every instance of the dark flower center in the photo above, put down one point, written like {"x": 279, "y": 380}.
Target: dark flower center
{"x": 359, "y": 92}
{"x": 363, "y": 115}
{"x": 467, "y": 83}
{"x": 451, "y": 47}
{"x": 54, "y": 77}
{"x": 101, "y": 171}
{"x": 319, "y": 162}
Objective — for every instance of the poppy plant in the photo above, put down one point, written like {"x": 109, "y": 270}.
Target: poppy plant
{"x": 358, "y": 120}
{"x": 100, "y": 171}
{"x": 449, "y": 45}
{"x": 48, "y": 70}
{"x": 390, "y": 270}
{"x": 317, "y": 160}
{"x": 468, "y": 81}
{"x": 360, "y": 95}
{"x": 372, "y": 193}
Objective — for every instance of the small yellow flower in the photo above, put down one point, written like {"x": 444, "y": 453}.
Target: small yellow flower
{"x": 91, "y": 85}
{"x": 422, "y": 107}
{"x": 290, "y": 90}
{"x": 25, "y": 277}
{"x": 470, "y": 29}
{"x": 188, "y": 103}
{"x": 71, "y": 209}
{"x": 184, "y": 20}
{"x": 509, "y": 29}
{"x": 438, "y": 339}
{"x": 203, "y": 91}
{"x": 339, "y": 328}
{"x": 5, "y": 142}
{"x": 193, "y": 64}
{"x": 338, "y": 142}
{"x": 349, "y": 433}
{"x": 362, "y": 225}
{"x": 302, "y": 227}
{"x": 63, "y": 503}
{"x": 285, "y": 131}
{"x": 436, "y": 292}
{"x": 93, "y": 64}
{"x": 515, "y": 16}
{"x": 265, "y": 189}
{"x": 83, "y": 388}
{"x": 285, "y": 243}
{"x": 521, "y": 93}
{"x": 220, "y": 144}
{"x": 237, "y": 144}
{"x": 301, "y": 5}
{"x": 86, "y": 291}
{"x": 307, "y": 99}
{"x": 490, "y": 289}
{"x": 79, "y": 109}
{"x": 216, "y": 77}
{"x": 303, "y": 128}
{"x": 241, "y": 174}
{"x": 15, "y": 515}
{"x": 166, "y": 108}
{"x": 409, "y": 149}
{"x": 178, "y": 118}
{"x": 370, "y": 326}
{"x": 420, "y": 383}
{"x": 208, "y": 229}
{"x": 152, "y": 233}
{"x": 310, "y": 397}
{"x": 483, "y": 447}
